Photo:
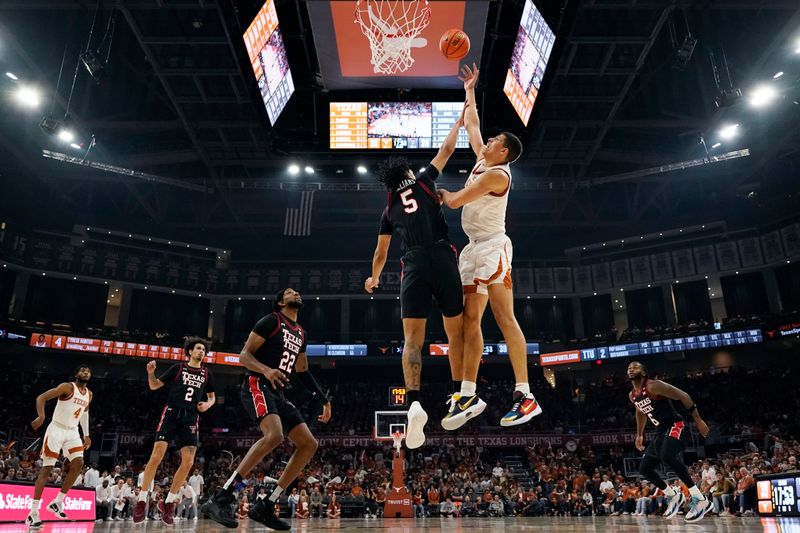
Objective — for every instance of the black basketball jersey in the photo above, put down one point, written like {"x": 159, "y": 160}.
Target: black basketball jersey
{"x": 284, "y": 341}
{"x": 661, "y": 411}
{"x": 414, "y": 211}
{"x": 187, "y": 385}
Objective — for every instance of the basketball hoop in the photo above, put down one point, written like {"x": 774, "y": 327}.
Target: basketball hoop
{"x": 398, "y": 437}
{"x": 393, "y": 28}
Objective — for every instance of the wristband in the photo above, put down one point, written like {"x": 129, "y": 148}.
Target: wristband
{"x": 693, "y": 409}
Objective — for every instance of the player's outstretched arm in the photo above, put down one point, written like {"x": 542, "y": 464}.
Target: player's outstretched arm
{"x": 378, "y": 262}
{"x": 666, "y": 390}
{"x": 492, "y": 181}
{"x": 152, "y": 381}
{"x": 448, "y": 147}
{"x": 471, "y": 121}
{"x": 65, "y": 389}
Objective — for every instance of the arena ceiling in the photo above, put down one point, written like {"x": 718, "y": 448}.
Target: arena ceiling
{"x": 180, "y": 103}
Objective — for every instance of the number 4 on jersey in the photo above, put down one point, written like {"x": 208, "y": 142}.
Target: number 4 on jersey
{"x": 410, "y": 203}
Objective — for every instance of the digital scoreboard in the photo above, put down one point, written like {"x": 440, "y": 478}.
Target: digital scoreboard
{"x": 397, "y": 396}
{"x": 778, "y": 495}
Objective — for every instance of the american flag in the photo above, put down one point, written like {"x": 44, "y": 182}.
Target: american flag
{"x": 298, "y": 214}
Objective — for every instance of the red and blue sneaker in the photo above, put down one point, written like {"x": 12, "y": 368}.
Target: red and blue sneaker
{"x": 524, "y": 409}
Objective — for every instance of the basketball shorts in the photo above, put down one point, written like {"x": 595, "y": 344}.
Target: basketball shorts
{"x": 260, "y": 399}
{"x": 179, "y": 425}
{"x": 486, "y": 262}
{"x": 669, "y": 442}
{"x": 430, "y": 272}
{"x": 60, "y": 439}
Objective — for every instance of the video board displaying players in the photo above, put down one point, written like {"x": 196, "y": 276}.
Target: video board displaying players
{"x": 267, "y": 54}
{"x": 394, "y": 125}
{"x": 529, "y": 59}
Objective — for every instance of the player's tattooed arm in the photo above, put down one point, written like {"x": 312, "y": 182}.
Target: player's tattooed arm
{"x": 666, "y": 390}
{"x": 412, "y": 366}
{"x": 65, "y": 389}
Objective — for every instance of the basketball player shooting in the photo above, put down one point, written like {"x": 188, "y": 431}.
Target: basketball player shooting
{"x": 61, "y": 436}
{"x": 653, "y": 400}
{"x": 180, "y": 420}
{"x": 485, "y": 266}
{"x": 275, "y": 348}
{"x": 430, "y": 269}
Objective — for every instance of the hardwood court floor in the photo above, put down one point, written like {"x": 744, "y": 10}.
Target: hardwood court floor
{"x": 622, "y": 524}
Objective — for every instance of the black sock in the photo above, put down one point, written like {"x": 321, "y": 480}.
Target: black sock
{"x": 456, "y": 386}
{"x": 413, "y": 396}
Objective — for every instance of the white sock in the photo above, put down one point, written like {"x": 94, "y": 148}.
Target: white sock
{"x": 276, "y": 493}
{"x": 143, "y": 496}
{"x": 232, "y": 480}
{"x": 694, "y": 491}
{"x": 35, "y": 507}
{"x": 669, "y": 492}
{"x": 468, "y": 388}
{"x": 171, "y": 497}
{"x": 524, "y": 388}
{"x": 60, "y": 497}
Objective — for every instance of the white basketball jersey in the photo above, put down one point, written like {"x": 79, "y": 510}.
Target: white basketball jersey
{"x": 486, "y": 216}
{"x": 68, "y": 410}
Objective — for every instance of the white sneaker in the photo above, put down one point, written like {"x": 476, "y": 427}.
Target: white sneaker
{"x": 698, "y": 509}
{"x": 33, "y": 521}
{"x": 57, "y": 508}
{"x": 417, "y": 418}
{"x": 674, "y": 505}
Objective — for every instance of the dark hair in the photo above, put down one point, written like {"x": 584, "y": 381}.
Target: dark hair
{"x": 279, "y": 298}
{"x": 79, "y": 368}
{"x": 514, "y": 146}
{"x": 190, "y": 342}
{"x": 393, "y": 171}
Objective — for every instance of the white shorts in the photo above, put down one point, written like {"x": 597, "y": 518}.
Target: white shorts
{"x": 484, "y": 263}
{"x": 58, "y": 439}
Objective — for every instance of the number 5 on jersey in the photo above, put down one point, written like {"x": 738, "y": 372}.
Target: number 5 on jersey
{"x": 410, "y": 203}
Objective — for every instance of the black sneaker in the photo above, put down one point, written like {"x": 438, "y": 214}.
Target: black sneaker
{"x": 219, "y": 509}
{"x": 263, "y": 512}
{"x": 462, "y": 408}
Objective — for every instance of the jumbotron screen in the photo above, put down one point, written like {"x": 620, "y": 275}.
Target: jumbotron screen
{"x": 532, "y": 50}
{"x": 394, "y": 125}
{"x": 267, "y": 55}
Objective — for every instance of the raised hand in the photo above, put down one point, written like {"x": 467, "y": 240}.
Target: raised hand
{"x": 469, "y": 76}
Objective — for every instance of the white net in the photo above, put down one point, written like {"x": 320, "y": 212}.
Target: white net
{"x": 393, "y": 28}
{"x": 397, "y": 437}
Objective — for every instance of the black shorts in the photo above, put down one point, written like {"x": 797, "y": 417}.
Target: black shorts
{"x": 260, "y": 399}
{"x": 428, "y": 273}
{"x": 669, "y": 442}
{"x": 180, "y": 425}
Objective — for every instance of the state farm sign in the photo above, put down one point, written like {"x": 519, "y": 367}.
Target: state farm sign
{"x": 16, "y": 500}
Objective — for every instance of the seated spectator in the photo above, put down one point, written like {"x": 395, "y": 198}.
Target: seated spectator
{"x": 467, "y": 507}
{"x": 315, "y": 502}
{"x": 722, "y": 493}
{"x": 242, "y": 509}
{"x": 448, "y": 508}
{"x": 416, "y": 502}
{"x": 744, "y": 493}
{"x": 433, "y": 501}
{"x": 496, "y": 507}
{"x": 293, "y": 499}
{"x": 105, "y": 503}
{"x": 334, "y": 509}
{"x": 302, "y": 510}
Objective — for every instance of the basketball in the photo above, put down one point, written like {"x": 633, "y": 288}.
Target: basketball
{"x": 454, "y": 44}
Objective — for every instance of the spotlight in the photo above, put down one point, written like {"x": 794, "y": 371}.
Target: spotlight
{"x": 76, "y": 146}
{"x": 309, "y": 170}
{"x": 729, "y": 132}
{"x": 294, "y": 170}
{"x": 361, "y": 169}
{"x": 12, "y": 76}
{"x": 762, "y": 95}
{"x": 728, "y": 98}
{"x": 421, "y": 169}
{"x": 28, "y": 96}
{"x": 66, "y": 135}
{"x": 715, "y": 145}
{"x": 777, "y": 75}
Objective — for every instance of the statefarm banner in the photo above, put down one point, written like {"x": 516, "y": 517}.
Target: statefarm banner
{"x": 16, "y": 499}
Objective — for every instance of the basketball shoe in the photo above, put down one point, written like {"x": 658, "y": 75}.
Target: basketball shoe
{"x": 33, "y": 521}
{"x": 263, "y": 512}
{"x": 698, "y": 509}
{"x": 462, "y": 409}
{"x": 218, "y": 509}
{"x": 57, "y": 508}
{"x": 674, "y": 504}
{"x": 415, "y": 434}
{"x": 139, "y": 512}
{"x": 524, "y": 409}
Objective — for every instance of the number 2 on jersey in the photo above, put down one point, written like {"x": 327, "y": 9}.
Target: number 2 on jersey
{"x": 189, "y": 394}
{"x": 410, "y": 203}
{"x": 287, "y": 362}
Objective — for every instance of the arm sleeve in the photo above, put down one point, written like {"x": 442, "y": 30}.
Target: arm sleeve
{"x": 210, "y": 383}
{"x": 308, "y": 381}
{"x": 170, "y": 374}
{"x": 266, "y": 326}
{"x": 386, "y": 225}
{"x": 429, "y": 175}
